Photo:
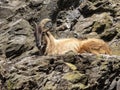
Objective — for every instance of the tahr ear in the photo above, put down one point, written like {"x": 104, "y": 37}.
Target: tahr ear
{"x": 48, "y": 25}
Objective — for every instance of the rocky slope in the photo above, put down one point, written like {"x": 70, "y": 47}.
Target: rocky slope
{"x": 21, "y": 68}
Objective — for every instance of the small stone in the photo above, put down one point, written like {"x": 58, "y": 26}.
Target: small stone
{"x": 71, "y": 66}
{"x": 75, "y": 77}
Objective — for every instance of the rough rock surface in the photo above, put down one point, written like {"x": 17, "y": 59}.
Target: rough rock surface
{"x": 21, "y": 68}
{"x": 68, "y": 72}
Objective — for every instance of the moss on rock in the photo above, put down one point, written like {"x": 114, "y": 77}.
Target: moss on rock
{"x": 75, "y": 77}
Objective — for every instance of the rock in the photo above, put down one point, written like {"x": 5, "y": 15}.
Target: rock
{"x": 113, "y": 85}
{"x": 118, "y": 84}
{"x": 78, "y": 86}
{"x": 99, "y": 24}
{"x": 75, "y": 77}
{"x": 103, "y": 20}
{"x": 19, "y": 38}
{"x": 39, "y": 72}
{"x": 93, "y": 34}
{"x": 73, "y": 67}
{"x": 5, "y": 12}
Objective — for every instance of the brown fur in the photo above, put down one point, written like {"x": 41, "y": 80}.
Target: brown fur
{"x": 95, "y": 46}
{"x": 61, "y": 46}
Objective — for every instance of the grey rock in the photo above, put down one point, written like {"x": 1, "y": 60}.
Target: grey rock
{"x": 21, "y": 67}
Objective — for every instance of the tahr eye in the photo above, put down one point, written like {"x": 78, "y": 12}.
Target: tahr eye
{"x": 48, "y": 25}
{"x": 75, "y": 35}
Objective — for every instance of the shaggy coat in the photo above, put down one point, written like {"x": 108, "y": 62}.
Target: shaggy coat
{"x": 61, "y": 46}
